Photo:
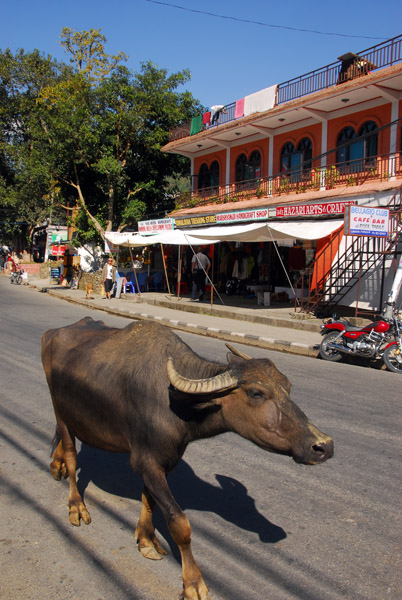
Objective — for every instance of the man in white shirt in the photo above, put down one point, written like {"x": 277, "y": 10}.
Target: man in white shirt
{"x": 200, "y": 265}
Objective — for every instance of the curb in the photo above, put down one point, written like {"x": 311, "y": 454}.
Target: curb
{"x": 213, "y": 332}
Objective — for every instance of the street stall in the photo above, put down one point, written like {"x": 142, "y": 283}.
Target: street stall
{"x": 284, "y": 232}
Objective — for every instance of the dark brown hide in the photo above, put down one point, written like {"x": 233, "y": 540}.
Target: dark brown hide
{"x": 111, "y": 388}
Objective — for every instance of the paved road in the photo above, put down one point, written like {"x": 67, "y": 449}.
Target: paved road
{"x": 263, "y": 527}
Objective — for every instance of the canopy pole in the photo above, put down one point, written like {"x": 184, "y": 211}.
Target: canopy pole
{"x": 206, "y": 274}
{"x": 164, "y": 266}
{"x": 212, "y": 270}
{"x": 135, "y": 274}
{"x": 180, "y": 261}
{"x": 283, "y": 266}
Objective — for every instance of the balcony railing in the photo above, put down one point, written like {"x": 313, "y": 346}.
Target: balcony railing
{"x": 377, "y": 57}
{"x": 351, "y": 174}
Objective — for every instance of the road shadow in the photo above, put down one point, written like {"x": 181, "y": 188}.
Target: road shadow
{"x": 229, "y": 498}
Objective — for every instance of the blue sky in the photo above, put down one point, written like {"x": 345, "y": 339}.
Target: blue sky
{"x": 228, "y": 58}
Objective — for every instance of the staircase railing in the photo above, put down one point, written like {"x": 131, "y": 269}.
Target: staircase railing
{"x": 327, "y": 280}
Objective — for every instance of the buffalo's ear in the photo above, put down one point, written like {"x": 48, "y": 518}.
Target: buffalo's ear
{"x": 233, "y": 359}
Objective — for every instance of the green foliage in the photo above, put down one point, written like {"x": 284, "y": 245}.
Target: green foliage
{"x": 87, "y": 135}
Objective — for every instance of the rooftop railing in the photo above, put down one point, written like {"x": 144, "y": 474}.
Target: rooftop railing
{"x": 382, "y": 55}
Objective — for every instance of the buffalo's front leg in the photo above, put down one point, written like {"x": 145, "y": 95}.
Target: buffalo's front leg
{"x": 148, "y": 543}
{"x": 180, "y": 530}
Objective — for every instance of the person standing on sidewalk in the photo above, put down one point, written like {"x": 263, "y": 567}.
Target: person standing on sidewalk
{"x": 108, "y": 276}
{"x": 200, "y": 265}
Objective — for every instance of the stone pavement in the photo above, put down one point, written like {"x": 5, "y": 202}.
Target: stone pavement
{"x": 239, "y": 320}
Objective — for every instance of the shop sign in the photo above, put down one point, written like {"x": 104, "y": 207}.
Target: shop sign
{"x": 243, "y": 215}
{"x": 195, "y": 221}
{"x": 367, "y": 220}
{"x": 58, "y": 250}
{"x": 155, "y": 226}
{"x": 310, "y": 210}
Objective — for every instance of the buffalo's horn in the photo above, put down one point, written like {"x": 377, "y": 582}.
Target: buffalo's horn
{"x": 237, "y": 352}
{"x": 218, "y": 383}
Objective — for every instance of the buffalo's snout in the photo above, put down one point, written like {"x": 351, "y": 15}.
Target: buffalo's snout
{"x": 323, "y": 450}
{"x": 315, "y": 451}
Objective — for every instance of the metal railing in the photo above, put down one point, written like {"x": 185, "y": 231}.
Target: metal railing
{"x": 351, "y": 173}
{"x": 382, "y": 55}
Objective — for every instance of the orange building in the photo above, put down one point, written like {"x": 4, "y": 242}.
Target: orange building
{"x": 295, "y": 156}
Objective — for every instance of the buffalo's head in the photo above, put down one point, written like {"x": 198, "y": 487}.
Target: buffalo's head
{"x": 254, "y": 401}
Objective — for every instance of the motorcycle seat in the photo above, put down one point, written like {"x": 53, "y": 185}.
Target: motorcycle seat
{"x": 350, "y": 327}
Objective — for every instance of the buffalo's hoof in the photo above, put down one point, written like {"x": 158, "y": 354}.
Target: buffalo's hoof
{"x": 78, "y": 512}
{"x": 196, "y": 592}
{"x": 58, "y": 470}
{"x": 150, "y": 552}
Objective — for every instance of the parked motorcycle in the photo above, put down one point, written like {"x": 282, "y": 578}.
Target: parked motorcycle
{"x": 378, "y": 340}
{"x": 16, "y": 276}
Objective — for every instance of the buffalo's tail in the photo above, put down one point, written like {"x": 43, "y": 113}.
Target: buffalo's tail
{"x": 55, "y": 441}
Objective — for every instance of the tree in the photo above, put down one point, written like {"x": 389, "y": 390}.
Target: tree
{"x": 87, "y": 135}
{"x": 109, "y": 127}
{"x": 24, "y": 173}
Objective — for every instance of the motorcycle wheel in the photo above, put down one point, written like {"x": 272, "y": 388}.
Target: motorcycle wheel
{"x": 327, "y": 353}
{"x": 393, "y": 359}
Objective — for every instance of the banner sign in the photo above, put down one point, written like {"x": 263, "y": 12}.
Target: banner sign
{"x": 244, "y": 215}
{"x": 367, "y": 220}
{"x": 58, "y": 250}
{"x": 195, "y": 221}
{"x": 155, "y": 226}
{"x": 223, "y": 218}
{"x": 310, "y": 210}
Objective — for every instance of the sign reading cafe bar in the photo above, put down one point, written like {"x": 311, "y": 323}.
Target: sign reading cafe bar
{"x": 366, "y": 220}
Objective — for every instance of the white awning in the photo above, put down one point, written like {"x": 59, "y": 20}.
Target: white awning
{"x": 251, "y": 232}
{"x": 175, "y": 238}
{"x": 266, "y": 232}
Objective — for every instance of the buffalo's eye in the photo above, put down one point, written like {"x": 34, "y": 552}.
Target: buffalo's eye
{"x": 257, "y": 396}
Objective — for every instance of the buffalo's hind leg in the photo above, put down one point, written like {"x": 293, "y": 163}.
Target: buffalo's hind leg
{"x": 148, "y": 543}
{"x": 65, "y": 462}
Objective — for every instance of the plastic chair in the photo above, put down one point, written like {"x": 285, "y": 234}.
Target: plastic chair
{"x": 128, "y": 286}
{"x": 142, "y": 280}
{"x": 157, "y": 281}
{"x": 183, "y": 287}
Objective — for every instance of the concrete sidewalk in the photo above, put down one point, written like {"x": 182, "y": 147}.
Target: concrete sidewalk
{"x": 277, "y": 327}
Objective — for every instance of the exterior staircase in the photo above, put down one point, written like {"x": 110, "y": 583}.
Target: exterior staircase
{"x": 332, "y": 276}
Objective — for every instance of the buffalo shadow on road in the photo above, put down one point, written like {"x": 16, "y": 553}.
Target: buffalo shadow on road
{"x": 112, "y": 473}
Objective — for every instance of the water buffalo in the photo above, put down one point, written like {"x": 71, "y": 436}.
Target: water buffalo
{"x": 142, "y": 390}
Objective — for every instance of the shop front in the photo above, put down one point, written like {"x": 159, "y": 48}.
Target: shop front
{"x": 255, "y": 254}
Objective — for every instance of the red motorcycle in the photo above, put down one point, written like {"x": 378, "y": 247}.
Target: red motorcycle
{"x": 378, "y": 340}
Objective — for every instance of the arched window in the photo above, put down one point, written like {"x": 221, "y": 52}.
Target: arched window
{"x": 214, "y": 174}
{"x": 295, "y": 161}
{"x": 348, "y": 151}
{"x": 241, "y": 163}
{"x": 305, "y": 148}
{"x": 287, "y": 153}
{"x": 351, "y": 154}
{"x": 248, "y": 169}
{"x": 370, "y": 132}
{"x": 208, "y": 177}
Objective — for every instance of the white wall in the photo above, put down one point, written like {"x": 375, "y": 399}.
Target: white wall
{"x": 91, "y": 257}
